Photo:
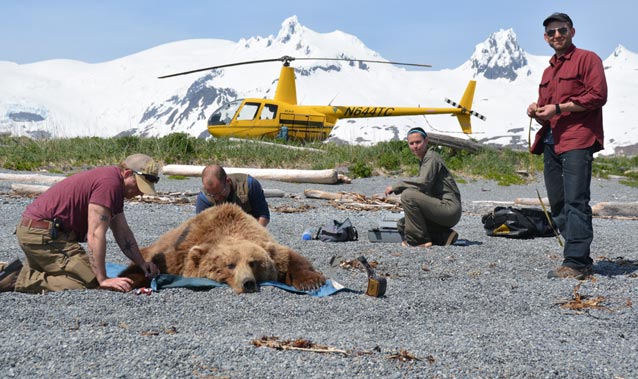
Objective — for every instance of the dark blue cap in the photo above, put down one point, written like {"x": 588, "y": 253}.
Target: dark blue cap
{"x": 558, "y": 17}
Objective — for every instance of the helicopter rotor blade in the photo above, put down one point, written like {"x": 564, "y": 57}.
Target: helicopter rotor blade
{"x": 221, "y": 66}
{"x": 287, "y": 59}
{"x": 364, "y": 60}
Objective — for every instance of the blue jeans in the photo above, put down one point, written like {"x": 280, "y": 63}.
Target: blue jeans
{"x": 568, "y": 180}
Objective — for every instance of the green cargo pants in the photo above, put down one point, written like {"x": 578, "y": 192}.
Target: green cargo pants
{"x": 426, "y": 215}
{"x": 52, "y": 264}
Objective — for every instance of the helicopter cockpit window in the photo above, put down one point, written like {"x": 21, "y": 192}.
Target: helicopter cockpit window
{"x": 269, "y": 112}
{"x": 224, "y": 114}
{"x": 248, "y": 111}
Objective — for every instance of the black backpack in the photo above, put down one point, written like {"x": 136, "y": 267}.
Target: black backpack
{"x": 338, "y": 232}
{"x": 517, "y": 223}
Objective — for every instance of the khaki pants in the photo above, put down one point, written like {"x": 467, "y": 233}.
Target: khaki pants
{"x": 52, "y": 264}
{"x": 426, "y": 216}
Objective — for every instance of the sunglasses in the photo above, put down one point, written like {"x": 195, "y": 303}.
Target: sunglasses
{"x": 149, "y": 177}
{"x": 552, "y": 32}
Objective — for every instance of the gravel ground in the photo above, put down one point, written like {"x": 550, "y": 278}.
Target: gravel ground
{"x": 480, "y": 310}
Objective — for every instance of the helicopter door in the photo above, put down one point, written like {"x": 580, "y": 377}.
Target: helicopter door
{"x": 304, "y": 125}
{"x": 269, "y": 112}
{"x": 249, "y": 124}
{"x": 248, "y": 112}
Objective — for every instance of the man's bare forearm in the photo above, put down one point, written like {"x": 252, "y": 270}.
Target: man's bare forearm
{"x": 97, "y": 245}
{"x": 129, "y": 247}
{"x": 126, "y": 240}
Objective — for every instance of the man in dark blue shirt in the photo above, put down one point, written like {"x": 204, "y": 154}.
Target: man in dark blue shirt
{"x": 241, "y": 189}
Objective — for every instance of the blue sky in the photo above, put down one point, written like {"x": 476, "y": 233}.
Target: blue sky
{"x": 418, "y": 31}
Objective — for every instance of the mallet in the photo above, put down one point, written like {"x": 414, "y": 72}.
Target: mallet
{"x": 376, "y": 284}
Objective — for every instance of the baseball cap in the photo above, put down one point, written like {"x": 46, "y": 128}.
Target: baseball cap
{"x": 558, "y": 17}
{"x": 146, "y": 171}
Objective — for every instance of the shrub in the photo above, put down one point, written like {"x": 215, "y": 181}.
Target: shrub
{"x": 360, "y": 170}
{"x": 389, "y": 161}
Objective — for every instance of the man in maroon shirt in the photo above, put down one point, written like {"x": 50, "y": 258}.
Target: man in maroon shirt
{"x": 81, "y": 208}
{"x": 571, "y": 96}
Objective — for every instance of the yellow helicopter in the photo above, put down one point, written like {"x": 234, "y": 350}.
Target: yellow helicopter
{"x": 282, "y": 117}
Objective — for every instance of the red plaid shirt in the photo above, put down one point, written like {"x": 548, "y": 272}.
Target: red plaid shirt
{"x": 577, "y": 76}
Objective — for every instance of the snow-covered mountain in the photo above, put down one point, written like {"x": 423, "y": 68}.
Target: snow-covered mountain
{"x": 65, "y": 98}
{"x": 498, "y": 57}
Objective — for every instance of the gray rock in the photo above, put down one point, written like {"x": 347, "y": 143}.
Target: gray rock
{"x": 483, "y": 309}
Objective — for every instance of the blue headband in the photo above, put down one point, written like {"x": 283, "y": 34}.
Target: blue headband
{"x": 421, "y": 132}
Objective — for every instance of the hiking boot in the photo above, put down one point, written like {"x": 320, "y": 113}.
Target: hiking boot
{"x": 569, "y": 272}
{"x": 445, "y": 238}
{"x": 9, "y": 275}
{"x": 451, "y": 238}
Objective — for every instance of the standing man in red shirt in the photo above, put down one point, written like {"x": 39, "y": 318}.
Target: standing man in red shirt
{"x": 81, "y": 208}
{"x": 571, "y": 96}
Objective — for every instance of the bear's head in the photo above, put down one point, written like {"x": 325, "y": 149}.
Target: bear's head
{"x": 240, "y": 263}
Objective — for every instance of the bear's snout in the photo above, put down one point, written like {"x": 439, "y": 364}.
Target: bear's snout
{"x": 249, "y": 286}
{"x": 244, "y": 279}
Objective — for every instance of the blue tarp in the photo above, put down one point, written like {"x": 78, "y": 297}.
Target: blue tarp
{"x": 164, "y": 281}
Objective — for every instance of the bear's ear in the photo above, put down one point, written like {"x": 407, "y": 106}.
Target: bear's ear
{"x": 270, "y": 248}
{"x": 195, "y": 254}
{"x": 279, "y": 254}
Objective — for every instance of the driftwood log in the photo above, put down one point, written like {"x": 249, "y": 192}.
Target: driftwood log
{"x": 531, "y": 201}
{"x": 28, "y": 189}
{"x": 161, "y": 197}
{"x": 454, "y": 142}
{"x": 32, "y": 178}
{"x": 349, "y": 196}
{"x": 284, "y": 175}
{"x": 298, "y": 176}
{"x": 352, "y": 200}
{"x": 615, "y": 209}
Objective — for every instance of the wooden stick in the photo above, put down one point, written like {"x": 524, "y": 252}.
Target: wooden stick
{"x": 324, "y": 350}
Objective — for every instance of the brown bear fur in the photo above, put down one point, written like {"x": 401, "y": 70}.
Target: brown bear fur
{"x": 225, "y": 244}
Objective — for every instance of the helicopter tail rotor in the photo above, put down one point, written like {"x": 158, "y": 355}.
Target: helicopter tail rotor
{"x": 466, "y": 108}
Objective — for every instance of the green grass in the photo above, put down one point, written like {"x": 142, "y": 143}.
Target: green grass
{"x": 504, "y": 166}
{"x": 178, "y": 177}
{"x": 623, "y": 166}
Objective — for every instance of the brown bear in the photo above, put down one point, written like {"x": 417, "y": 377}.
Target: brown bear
{"x": 225, "y": 244}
